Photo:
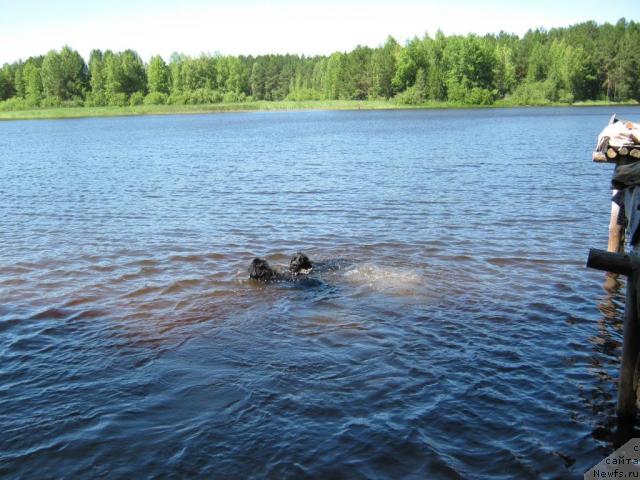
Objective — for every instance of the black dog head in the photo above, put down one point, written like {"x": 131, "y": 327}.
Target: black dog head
{"x": 260, "y": 270}
{"x": 300, "y": 262}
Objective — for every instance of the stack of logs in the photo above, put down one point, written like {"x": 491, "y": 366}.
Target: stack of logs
{"x": 607, "y": 154}
{"x": 624, "y": 151}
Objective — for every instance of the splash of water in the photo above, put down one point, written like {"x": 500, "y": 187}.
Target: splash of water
{"x": 379, "y": 278}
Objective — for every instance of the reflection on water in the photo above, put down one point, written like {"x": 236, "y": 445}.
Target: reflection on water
{"x": 461, "y": 337}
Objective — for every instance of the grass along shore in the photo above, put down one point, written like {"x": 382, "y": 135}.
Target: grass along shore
{"x": 80, "y": 112}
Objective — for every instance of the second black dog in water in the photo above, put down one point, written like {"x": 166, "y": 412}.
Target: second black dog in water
{"x": 300, "y": 264}
{"x": 299, "y": 267}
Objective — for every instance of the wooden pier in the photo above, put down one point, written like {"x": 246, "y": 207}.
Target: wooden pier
{"x": 619, "y": 143}
{"x": 629, "y": 265}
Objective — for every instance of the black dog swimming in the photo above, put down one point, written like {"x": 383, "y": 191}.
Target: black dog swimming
{"x": 300, "y": 264}
{"x": 261, "y": 270}
{"x": 299, "y": 267}
{"x": 301, "y": 270}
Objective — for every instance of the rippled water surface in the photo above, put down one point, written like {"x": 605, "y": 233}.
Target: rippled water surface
{"x": 462, "y": 338}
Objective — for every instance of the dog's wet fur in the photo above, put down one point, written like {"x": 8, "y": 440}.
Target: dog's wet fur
{"x": 299, "y": 267}
{"x": 261, "y": 270}
{"x": 300, "y": 264}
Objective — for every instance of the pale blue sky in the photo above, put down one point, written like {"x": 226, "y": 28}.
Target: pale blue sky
{"x": 29, "y": 27}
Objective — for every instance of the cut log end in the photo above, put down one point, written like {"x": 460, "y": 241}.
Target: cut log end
{"x": 635, "y": 153}
{"x": 599, "y": 157}
{"x": 611, "y": 153}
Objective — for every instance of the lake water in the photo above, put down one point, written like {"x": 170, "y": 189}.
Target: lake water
{"x": 463, "y": 338}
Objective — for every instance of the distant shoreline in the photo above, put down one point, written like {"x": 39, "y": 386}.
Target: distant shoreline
{"x": 260, "y": 106}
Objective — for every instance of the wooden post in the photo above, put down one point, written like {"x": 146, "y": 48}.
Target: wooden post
{"x": 610, "y": 262}
{"x": 624, "y": 265}
{"x": 630, "y": 348}
{"x": 616, "y": 232}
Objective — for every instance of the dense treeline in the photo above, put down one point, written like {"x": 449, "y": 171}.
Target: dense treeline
{"x": 586, "y": 61}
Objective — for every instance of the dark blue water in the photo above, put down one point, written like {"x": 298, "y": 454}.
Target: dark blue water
{"x": 464, "y": 338}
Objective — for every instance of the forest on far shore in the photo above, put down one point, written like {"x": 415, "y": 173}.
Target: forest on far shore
{"x": 586, "y": 61}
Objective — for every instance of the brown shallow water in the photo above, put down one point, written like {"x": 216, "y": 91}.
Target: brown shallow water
{"x": 463, "y": 338}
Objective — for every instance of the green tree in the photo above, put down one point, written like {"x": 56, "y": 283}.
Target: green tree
{"x": 436, "y": 68}
{"x": 470, "y": 61}
{"x": 123, "y": 75}
{"x": 358, "y": 73}
{"x": 624, "y": 73}
{"x": 416, "y": 93}
{"x": 318, "y": 75}
{"x": 198, "y": 73}
{"x": 257, "y": 80}
{"x": 64, "y": 74}
{"x": 52, "y": 79}
{"x": 504, "y": 70}
{"x": 175, "y": 73}
{"x": 112, "y": 74}
{"x": 33, "y": 83}
{"x": 332, "y": 76}
{"x": 410, "y": 59}
{"x": 98, "y": 78}
{"x": 383, "y": 69}
{"x": 537, "y": 65}
{"x": 18, "y": 81}
{"x": 133, "y": 74}
{"x": 158, "y": 75}
{"x": 236, "y": 75}
{"x": 75, "y": 74}
{"x": 6, "y": 85}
